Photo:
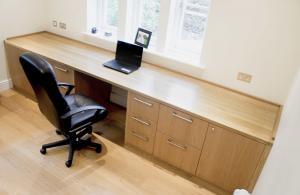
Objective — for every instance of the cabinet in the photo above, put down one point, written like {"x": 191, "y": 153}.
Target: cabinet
{"x": 220, "y": 156}
{"x": 229, "y": 160}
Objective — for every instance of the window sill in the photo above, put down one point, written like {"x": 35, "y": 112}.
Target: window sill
{"x": 166, "y": 60}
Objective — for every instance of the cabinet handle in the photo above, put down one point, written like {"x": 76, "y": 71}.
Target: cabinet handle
{"x": 143, "y": 102}
{"x": 61, "y": 69}
{"x": 144, "y": 138}
{"x": 140, "y": 121}
{"x": 171, "y": 142}
{"x": 183, "y": 118}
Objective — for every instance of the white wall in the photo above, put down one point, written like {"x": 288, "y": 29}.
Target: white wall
{"x": 18, "y": 17}
{"x": 253, "y": 36}
{"x": 281, "y": 173}
{"x": 260, "y": 37}
{"x": 71, "y": 12}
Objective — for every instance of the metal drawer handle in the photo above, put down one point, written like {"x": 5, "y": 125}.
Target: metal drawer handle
{"x": 143, "y": 102}
{"x": 171, "y": 142}
{"x": 61, "y": 69}
{"x": 144, "y": 138}
{"x": 185, "y": 119}
{"x": 140, "y": 121}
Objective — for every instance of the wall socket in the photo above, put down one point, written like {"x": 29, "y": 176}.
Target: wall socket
{"x": 63, "y": 25}
{"x": 244, "y": 77}
{"x": 54, "y": 23}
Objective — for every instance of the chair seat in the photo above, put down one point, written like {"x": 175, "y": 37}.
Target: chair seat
{"x": 76, "y": 101}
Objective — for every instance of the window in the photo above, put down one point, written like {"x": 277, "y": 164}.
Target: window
{"x": 177, "y": 26}
{"x": 146, "y": 16}
{"x": 108, "y": 17}
{"x": 189, "y": 25}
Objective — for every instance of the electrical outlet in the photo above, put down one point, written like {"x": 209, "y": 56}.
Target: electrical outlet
{"x": 63, "y": 25}
{"x": 54, "y": 23}
{"x": 244, "y": 77}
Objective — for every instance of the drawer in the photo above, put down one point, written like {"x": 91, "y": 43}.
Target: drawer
{"x": 145, "y": 127}
{"x": 174, "y": 152}
{"x": 139, "y": 140}
{"x": 229, "y": 160}
{"x": 63, "y": 73}
{"x": 141, "y": 122}
{"x": 142, "y": 108}
{"x": 181, "y": 126}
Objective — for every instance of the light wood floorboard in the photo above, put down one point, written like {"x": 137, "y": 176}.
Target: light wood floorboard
{"x": 23, "y": 170}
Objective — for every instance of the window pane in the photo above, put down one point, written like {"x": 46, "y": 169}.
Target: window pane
{"x": 189, "y": 22}
{"x": 112, "y": 12}
{"x": 150, "y": 10}
{"x": 193, "y": 27}
{"x": 199, "y": 2}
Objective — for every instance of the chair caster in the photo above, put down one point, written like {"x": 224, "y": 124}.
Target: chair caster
{"x": 99, "y": 149}
{"x": 68, "y": 163}
{"x": 43, "y": 151}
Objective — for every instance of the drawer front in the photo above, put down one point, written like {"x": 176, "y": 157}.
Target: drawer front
{"x": 139, "y": 140}
{"x": 176, "y": 153}
{"x": 183, "y": 127}
{"x": 63, "y": 73}
{"x": 144, "y": 127}
{"x": 143, "y": 108}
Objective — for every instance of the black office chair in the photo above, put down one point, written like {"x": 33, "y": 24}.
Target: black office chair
{"x": 72, "y": 115}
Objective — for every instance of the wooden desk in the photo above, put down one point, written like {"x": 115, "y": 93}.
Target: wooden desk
{"x": 243, "y": 115}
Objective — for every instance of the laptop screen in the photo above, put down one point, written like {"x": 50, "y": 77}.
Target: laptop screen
{"x": 129, "y": 54}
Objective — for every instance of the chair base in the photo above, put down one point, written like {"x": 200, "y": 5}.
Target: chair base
{"x": 74, "y": 144}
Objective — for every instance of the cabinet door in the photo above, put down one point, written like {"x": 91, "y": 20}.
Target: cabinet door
{"x": 229, "y": 160}
{"x": 19, "y": 79}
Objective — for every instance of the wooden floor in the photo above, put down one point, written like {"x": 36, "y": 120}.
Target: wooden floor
{"x": 116, "y": 171}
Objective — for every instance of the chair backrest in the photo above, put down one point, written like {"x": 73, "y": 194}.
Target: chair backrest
{"x": 42, "y": 79}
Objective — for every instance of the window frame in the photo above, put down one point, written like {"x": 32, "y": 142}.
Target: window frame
{"x": 165, "y": 36}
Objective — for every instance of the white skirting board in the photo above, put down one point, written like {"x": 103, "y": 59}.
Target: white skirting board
{"x": 5, "y": 85}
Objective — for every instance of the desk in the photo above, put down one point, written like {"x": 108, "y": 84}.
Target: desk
{"x": 219, "y": 108}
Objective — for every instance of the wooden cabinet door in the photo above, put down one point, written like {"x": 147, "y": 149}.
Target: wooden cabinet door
{"x": 229, "y": 160}
{"x": 63, "y": 74}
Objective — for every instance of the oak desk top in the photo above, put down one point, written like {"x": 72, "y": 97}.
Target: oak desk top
{"x": 245, "y": 115}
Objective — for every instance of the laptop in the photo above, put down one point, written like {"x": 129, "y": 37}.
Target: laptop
{"x": 128, "y": 58}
